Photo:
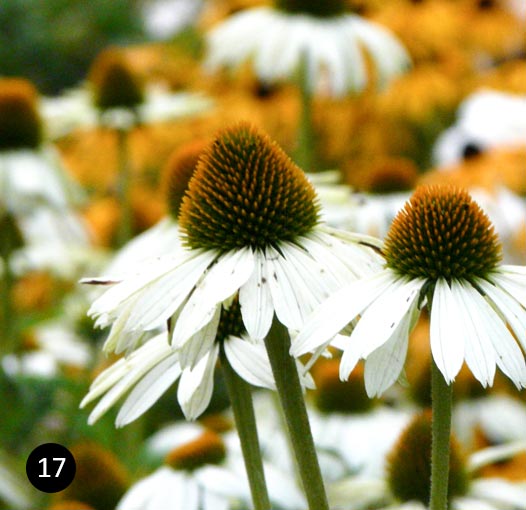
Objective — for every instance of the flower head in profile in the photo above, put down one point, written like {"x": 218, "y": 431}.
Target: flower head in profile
{"x": 441, "y": 250}
{"x": 117, "y": 96}
{"x": 251, "y": 229}
{"x": 31, "y": 172}
{"x": 330, "y": 41}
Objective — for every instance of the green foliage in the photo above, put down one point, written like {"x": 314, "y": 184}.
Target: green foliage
{"x": 53, "y": 42}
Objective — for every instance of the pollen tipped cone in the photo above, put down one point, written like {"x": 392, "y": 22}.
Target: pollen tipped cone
{"x": 246, "y": 192}
{"x": 20, "y": 123}
{"x": 442, "y": 233}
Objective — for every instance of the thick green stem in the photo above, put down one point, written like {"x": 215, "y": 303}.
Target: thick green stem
{"x": 306, "y": 152}
{"x": 441, "y": 393}
{"x": 124, "y": 233}
{"x": 293, "y": 404}
{"x": 240, "y": 395}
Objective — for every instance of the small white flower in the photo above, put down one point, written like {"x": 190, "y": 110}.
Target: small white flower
{"x": 166, "y": 18}
{"x": 485, "y": 120}
{"x": 332, "y": 46}
{"x": 441, "y": 249}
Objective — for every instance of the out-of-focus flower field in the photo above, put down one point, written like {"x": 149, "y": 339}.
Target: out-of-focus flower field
{"x": 105, "y": 109}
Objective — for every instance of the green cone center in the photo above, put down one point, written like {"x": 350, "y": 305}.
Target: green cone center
{"x": 114, "y": 83}
{"x": 442, "y": 232}
{"x": 246, "y": 192}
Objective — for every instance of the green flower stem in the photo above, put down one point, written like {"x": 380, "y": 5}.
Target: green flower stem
{"x": 124, "y": 233}
{"x": 441, "y": 394}
{"x": 8, "y": 329}
{"x": 305, "y": 153}
{"x": 293, "y": 404}
{"x": 240, "y": 395}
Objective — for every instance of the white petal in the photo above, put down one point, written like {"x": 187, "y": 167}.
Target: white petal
{"x": 508, "y": 355}
{"x": 338, "y": 310}
{"x": 223, "y": 279}
{"x": 134, "y": 372}
{"x": 379, "y": 321}
{"x": 512, "y": 285}
{"x": 384, "y": 365}
{"x": 196, "y": 386}
{"x": 250, "y": 361}
{"x": 447, "y": 341}
{"x": 255, "y": 301}
{"x": 290, "y": 295}
{"x": 149, "y": 390}
{"x": 478, "y": 351}
{"x": 506, "y": 305}
{"x": 195, "y": 347}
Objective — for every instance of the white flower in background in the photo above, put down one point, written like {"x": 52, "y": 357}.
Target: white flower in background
{"x": 500, "y": 418}
{"x": 441, "y": 249}
{"x": 55, "y": 241}
{"x": 485, "y": 120}
{"x": 180, "y": 484}
{"x": 405, "y": 485}
{"x": 283, "y": 489}
{"x": 250, "y": 220}
{"x": 165, "y": 18}
{"x": 55, "y": 346}
{"x": 31, "y": 172}
{"x": 117, "y": 98}
{"x": 331, "y": 41}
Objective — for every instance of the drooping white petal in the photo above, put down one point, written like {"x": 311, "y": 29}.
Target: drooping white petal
{"x": 223, "y": 279}
{"x": 508, "y": 354}
{"x": 114, "y": 373}
{"x": 194, "y": 348}
{"x": 384, "y": 365}
{"x": 478, "y": 350}
{"x": 379, "y": 322}
{"x": 136, "y": 368}
{"x": 472, "y": 503}
{"x": 196, "y": 385}
{"x": 447, "y": 341}
{"x": 508, "y": 307}
{"x": 255, "y": 300}
{"x": 250, "y": 361}
{"x": 338, "y": 310}
{"x": 152, "y": 386}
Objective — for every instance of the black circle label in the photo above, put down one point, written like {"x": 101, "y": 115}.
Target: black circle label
{"x": 50, "y": 467}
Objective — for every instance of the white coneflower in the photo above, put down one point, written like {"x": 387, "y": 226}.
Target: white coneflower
{"x": 441, "y": 248}
{"x": 250, "y": 223}
{"x": 330, "y": 41}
